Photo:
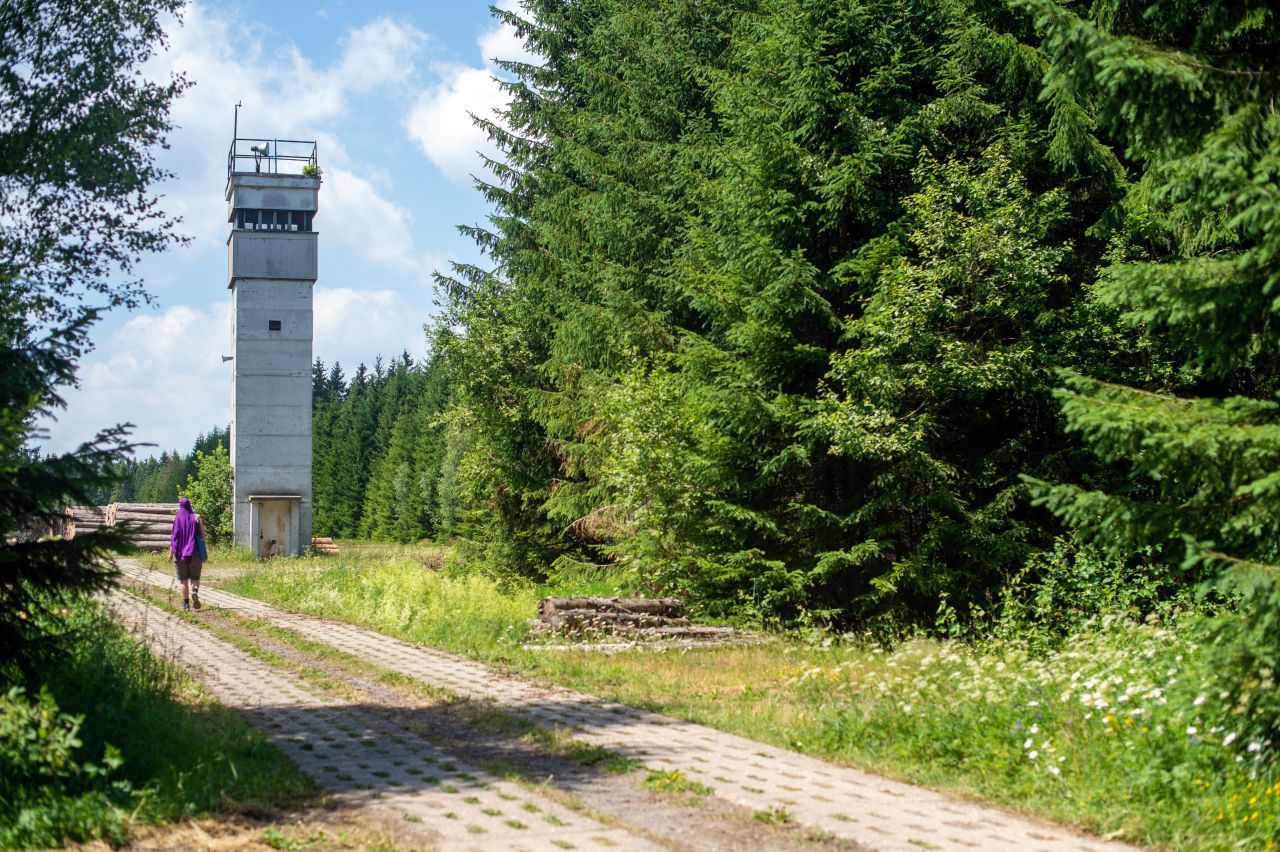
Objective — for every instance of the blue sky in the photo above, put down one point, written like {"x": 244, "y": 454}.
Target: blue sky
{"x": 385, "y": 88}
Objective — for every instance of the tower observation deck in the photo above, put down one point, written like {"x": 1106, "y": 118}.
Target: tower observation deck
{"x": 272, "y": 264}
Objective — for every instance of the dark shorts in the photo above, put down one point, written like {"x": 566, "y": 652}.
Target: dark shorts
{"x": 187, "y": 569}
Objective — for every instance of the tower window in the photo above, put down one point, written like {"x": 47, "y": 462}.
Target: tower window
{"x": 273, "y": 325}
{"x": 274, "y": 220}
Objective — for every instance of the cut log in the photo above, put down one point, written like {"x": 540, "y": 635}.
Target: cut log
{"x": 586, "y": 619}
{"x": 146, "y": 507}
{"x": 145, "y": 517}
{"x": 146, "y": 520}
{"x": 324, "y": 546}
{"x": 666, "y": 607}
{"x": 83, "y": 519}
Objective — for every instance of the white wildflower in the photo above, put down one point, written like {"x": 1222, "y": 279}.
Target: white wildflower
{"x": 1229, "y": 738}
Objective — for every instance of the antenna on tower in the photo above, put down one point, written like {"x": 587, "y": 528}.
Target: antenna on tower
{"x": 235, "y": 124}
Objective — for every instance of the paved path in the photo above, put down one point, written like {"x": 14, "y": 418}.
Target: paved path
{"x": 364, "y": 760}
{"x": 868, "y": 809}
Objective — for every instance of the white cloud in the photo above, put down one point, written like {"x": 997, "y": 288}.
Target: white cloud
{"x": 353, "y": 325}
{"x": 378, "y": 53}
{"x": 441, "y": 121}
{"x": 372, "y": 225}
{"x": 165, "y": 370}
{"x": 284, "y": 96}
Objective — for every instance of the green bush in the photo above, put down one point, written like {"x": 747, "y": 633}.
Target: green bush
{"x": 210, "y": 493}
{"x": 1061, "y": 590}
{"x": 46, "y": 793}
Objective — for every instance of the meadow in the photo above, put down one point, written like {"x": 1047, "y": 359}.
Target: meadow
{"x": 1110, "y": 729}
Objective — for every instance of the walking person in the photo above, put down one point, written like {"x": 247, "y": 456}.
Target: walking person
{"x": 184, "y": 549}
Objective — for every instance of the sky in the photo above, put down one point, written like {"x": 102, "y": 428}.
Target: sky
{"x": 386, "y": 89}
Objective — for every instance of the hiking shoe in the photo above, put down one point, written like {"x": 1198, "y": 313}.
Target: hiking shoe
{"x": 186, "y": 605}
{"x": 195, "y": 600}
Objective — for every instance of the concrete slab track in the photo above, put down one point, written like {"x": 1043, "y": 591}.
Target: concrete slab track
{"x": 366, "y": 761}
{"x": 847, "y": 803}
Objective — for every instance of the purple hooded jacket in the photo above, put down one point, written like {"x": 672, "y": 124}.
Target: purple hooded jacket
{"x": 183, "y": 539}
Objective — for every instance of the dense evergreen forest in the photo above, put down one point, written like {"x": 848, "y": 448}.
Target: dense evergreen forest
{"x": 158, "y": 479}
{"x": 843, "y": 309}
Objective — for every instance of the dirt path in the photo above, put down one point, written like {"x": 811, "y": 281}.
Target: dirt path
{"x": 774, "y": 785}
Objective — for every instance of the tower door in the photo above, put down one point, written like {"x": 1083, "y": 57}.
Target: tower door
{"x": 275, "y": 528}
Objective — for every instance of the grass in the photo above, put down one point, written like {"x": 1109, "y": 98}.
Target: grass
{"x": 675, "y": 783}
{"x": 148, "y": 747}
{"x": 1106, "y": 733}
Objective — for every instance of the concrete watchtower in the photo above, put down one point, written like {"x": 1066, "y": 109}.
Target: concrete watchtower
{"x": 272, "y": 193}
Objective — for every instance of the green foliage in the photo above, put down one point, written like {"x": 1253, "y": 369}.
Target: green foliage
{"x": 78, "y": 125}
{"x": 36, "y": 741}
{"x": 1186, "y": 91}
{"x": 379, "y": 451}
{"x": 943, "y": 396}
{"x": 74, "y": 767}
{"x": 1074, "y": 584}
{"x": 46, "y": 794}
{"x": 210, "y": 492}
{"x": 776, "y": 294}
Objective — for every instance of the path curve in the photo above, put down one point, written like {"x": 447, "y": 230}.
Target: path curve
{"x": 868, "y": 809}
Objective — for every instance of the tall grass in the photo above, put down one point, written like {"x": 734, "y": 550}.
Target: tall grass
{"x": 1111, "y": 730}
{"x": 399, "y": 590}
{"x": 142, "y": 745}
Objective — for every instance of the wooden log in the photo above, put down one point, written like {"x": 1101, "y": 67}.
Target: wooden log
{"x": 145, "y": 529}
{"x": 581, "y": 619}
{"x": 139, "y": 523}
{"x": 324, "y": 546}
{"x": 667, "y": 607}
{"x": 146, "y": 507}
{"x": 150, "y": 517}
{"x": 82, "y": 519}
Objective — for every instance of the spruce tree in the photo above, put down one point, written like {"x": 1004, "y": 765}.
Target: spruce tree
{"x": 1188, "y": 90}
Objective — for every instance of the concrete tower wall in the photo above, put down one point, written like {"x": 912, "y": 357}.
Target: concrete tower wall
{"x": 271, "y": 410}
{"x": 271, "y": 274}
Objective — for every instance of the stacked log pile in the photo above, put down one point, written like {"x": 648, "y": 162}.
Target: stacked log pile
{"x": 661, "y": 618}
{"x": 79, "y": 520}
{"x": 324, "y": 546}
{"x": 149, "y": 523}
